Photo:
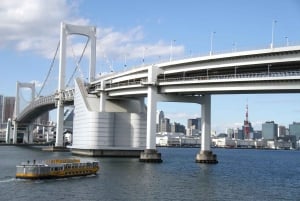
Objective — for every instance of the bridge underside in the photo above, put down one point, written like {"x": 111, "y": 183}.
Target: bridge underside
{"x": 108, "y": 152}
{"x": 236, "y": 87}
{"x": 31, "y": 114}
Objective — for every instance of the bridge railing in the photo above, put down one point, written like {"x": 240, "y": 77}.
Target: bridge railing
{"x": 66, "y": 95}
{"x": 108, "y": 85}
{"x": 142, "y": 82}
{"x": 231, "y": 76}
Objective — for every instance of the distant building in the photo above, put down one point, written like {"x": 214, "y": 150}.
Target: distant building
{"x": 196, "y": 123}
{"x": 294, "y": 129}
{"x": 281, "y": 131}
{"x": 270, "y": 130}
{"x": 9, "y": 106}
{"x": 159, "y": 118}
{"x": 1, "y": 108}
{"x": 239, "y": 134}
{"x": 165, "y": 125}
{"x": 257, "y": 135}
{"x": 177, "y": 128}
{"x": 193, "y": 127}
{"x": 230, "y": 132}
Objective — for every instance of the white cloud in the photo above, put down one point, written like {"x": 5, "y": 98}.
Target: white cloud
{"x": 37, "y": 83}
{"x": 114, "y": 45}
{"x": 34, "y": 25}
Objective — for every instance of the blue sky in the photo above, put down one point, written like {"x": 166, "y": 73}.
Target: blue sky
{"x": 127, "y": 30}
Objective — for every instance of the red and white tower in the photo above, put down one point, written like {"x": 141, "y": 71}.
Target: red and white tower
{"x": 246, "y": 125}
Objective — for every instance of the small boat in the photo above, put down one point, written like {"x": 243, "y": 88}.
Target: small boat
{"x": 56, "y": 168}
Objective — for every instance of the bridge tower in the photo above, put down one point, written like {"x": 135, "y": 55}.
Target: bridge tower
{"x": 68, "y": 29}
{"x": 17, "y": 105}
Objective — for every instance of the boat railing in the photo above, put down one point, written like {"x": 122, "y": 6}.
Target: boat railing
{"x": 59, "y": 161}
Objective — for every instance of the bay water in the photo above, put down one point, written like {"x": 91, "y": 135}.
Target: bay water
{"x": 241, "y": 174}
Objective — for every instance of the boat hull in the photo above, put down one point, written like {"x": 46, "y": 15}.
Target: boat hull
{"x": 56, "y": 169}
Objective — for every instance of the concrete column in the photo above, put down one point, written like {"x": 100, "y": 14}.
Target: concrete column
{"x": 30, "y": 134}
{"x": 47, "y": 135}
{"x": 151, "y": 119}
{"x": 8, "y": 130}
{"x": 61, "y": 87}
{"x": 92, "y": 63}
{"x": 206, "y": 123}
{"x": 60, "y": 125}
{"x": 205, "y": 155}
{"x": 150, "y": 154}
{"x": 15, "y": 134}
{"x": 43, "y": 132}
{"x": 102, "y": 98}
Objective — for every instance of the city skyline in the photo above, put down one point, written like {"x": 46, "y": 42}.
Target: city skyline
{"x": 239, "y": 126}
{"x": 136, "y": 33}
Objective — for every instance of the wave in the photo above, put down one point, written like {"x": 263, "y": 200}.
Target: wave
{"x": 7, "y": 179}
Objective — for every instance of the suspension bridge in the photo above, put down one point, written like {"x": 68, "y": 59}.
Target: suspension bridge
{"x": 111, "y": 117}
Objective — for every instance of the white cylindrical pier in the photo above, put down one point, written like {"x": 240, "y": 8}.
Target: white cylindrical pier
{"x": 205, "y": 155}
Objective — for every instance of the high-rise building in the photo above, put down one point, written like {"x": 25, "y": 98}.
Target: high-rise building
{"x": 281, "y": 131}
{"x": 193, "y": 126}
{"x": 295, "y": 129}
{"x": 177, "y": 128}
{"x": 270, "y": 130}
{"x": 159, "y": 117}
{"x": 165, "y": 125}
{"x": 230, "y": 132}
{"x": 9, "y": 106}
{"x": 195, "y": 123}
{"x": 1, "y": 108}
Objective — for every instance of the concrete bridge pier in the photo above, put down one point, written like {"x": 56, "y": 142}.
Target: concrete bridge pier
{"x": 206, "y": 155}
{"x": 150, "y": 154}
{"x": 15, "y": 133}
{"x": 8, "y": 131}
{"x": 30, "y": 133}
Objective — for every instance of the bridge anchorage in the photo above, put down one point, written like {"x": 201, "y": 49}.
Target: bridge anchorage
{"x": 112, "y": 119}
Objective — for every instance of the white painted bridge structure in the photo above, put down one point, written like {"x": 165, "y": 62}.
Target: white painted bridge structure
{"x": 112, "y": 119}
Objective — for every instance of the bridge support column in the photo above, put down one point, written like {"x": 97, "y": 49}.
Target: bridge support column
{"x": 60, "y": 125}
{"x": 205, "y": 155}
{"x": 8, "y": 131}
{"x": 30, "y": 134}
{"x": 61, "y": 86}
{"x": 102, "y": 98}
{"x": 15, "y": 133}
{"x": 150, "y": 154}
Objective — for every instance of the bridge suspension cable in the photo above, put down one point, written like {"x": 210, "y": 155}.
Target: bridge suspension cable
{"x": 78, "y": 62}
{"x": 49, "y": 71}
{"x": 23, "y": 101}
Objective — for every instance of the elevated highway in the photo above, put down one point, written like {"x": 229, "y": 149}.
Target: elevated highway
{"x": 43, "y": 104}
{"x": 259, "y": 71}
